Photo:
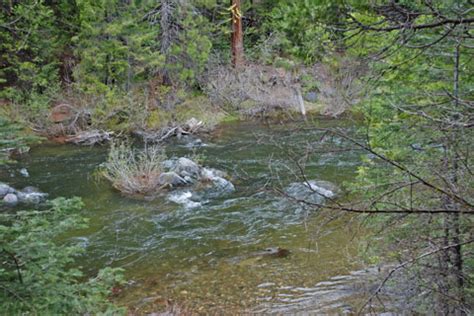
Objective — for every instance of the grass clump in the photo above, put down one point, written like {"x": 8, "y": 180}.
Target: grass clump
{"x": 133, "y": 171}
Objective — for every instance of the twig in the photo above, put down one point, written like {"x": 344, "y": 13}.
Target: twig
{"x": 404, "y": 264}
{"x": 17, "y": 264}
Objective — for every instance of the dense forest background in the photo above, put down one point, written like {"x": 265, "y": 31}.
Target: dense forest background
{"x": 405, "y": 68}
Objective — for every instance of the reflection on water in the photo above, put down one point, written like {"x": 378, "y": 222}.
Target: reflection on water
{"x": 339, "y": 294}
{"x": 171, "y": 250}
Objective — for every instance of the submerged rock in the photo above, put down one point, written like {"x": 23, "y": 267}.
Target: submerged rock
{"x": 171, "y": 179}
{"x": 184, "y": 198}
{"x": 31, "y": 197}
{"x": 217, "y": 184}
{"x": 221, "y": 185}
{"x": 10, "y": 199}
{"x": 194, "y": 143}
{"x": 30, "y": 189}
{"x": 24, "y": 172}
{"x": 312, "y": 191}
{"x": 254, "y": 257}
{"x": 276, "y": 252}
{"x": 210, "y": 174}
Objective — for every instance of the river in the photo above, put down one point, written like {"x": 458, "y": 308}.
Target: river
{"x": 203, "y": 256}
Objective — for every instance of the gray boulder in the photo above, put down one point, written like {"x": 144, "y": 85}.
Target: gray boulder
{"x": 24, "y": 172}
{"x": 312, "y": 191}
{"x": 31, "y": 195}
{"x": 30, "y": 189}
{"x": 10, "y": 199}
{"x": 31, "y": 198}
{"x": 5, "y": 189}
{"x": 189, "y": 180}
{"x": 223, "y": 186}
{"x": 171, "y": 179}
{"x": 168, "y": 164}
{"x": 186, "y": 167}
{"x": 219, "y": 186}
{"x": 208, "y": 174}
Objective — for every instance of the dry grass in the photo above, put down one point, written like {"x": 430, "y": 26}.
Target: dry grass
{"x": 340, "y": 85}
{"x": 132, "y": 171}
{"x": 253, "y": 89}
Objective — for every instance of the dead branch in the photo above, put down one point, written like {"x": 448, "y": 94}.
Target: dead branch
{"x": 406, "y": 263}
{"x": 90, "y": 138}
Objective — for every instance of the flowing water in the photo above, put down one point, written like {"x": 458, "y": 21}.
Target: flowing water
{"x": 207, "y": 255}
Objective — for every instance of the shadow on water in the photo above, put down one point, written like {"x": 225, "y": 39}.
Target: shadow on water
{"x": 204, "y": 255}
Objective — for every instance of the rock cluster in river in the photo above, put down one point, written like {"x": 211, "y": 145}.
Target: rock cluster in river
{"x": 29, "y": 195}
{"x": 185, "y": 173}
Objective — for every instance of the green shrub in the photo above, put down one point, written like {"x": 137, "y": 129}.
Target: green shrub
{"x": 36, "y": 276}
{"x": 13, "y": 139}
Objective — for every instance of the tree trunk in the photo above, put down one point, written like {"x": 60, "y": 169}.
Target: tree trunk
{"x": 454, "y": 265}
{"x": 457, "y": 259}
{"x": 166, "y": 13}
{"x": 237, "y": 45}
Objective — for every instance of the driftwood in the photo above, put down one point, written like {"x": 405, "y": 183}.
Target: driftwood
{"x": 192, "y": 126}
{"x": 90, "y": 138}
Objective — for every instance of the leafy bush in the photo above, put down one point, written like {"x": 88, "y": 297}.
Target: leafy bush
{"x": 133, "y": 171}
{"x": 13, "y": 139}
{"x": 35, "y": 272}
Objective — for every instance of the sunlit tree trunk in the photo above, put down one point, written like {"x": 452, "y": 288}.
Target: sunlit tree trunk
{"x": 237, "y": 45}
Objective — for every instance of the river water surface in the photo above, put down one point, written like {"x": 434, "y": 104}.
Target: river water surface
{"x": 206, "y": 256}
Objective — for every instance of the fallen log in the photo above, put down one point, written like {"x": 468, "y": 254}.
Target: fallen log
{"x": 191, "y": 126}
{"x": 90, "y": 138}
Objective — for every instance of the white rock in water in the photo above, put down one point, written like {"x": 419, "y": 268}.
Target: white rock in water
{"x": 312, "y": 191}
{"x": 10, "y": 199}
{"x": 24, "y": 172}
{"x": 183, "y": 198}
{"x": 30, "y": 189}
{"x": 33, "y": 197}
{"x": 313, "y": 185}
{"x": 211, "y": 174}
{"x": 5, "y": 189}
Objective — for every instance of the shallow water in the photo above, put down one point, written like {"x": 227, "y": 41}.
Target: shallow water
{"x": 203, "y": 256}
